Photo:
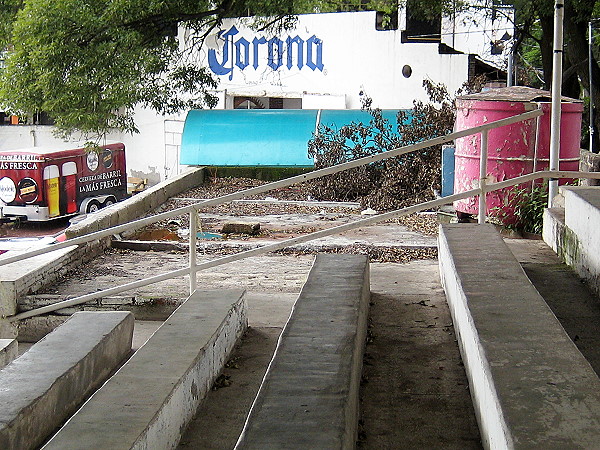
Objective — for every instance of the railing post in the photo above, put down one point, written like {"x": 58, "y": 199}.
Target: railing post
{"x": 193, "y": 260}
{"x": 483, "y": 156}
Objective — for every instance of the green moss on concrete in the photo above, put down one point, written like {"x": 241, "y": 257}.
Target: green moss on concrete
{"x": 568, "y": 246}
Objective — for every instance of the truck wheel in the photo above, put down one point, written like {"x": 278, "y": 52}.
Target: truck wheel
{"x": 92, "y": 207}
{"x": 109, "y": 201}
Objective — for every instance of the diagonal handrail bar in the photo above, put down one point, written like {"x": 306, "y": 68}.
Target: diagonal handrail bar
{"x": 245, "y": 254}
{"x": 274, "y": 185}
{"x": 300, "y": 239}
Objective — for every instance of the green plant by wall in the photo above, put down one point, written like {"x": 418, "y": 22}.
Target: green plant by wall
{"x": 527, "y": 205}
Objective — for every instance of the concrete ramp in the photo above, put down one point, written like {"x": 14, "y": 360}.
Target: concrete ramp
{"x": 309, "y": 397}
{"x": 531, "y": 386}
{"x": 148, "y": 403}
{"x": 42, "y": 388}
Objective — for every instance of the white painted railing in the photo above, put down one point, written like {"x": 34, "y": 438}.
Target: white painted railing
{"x": 194, "y": 267}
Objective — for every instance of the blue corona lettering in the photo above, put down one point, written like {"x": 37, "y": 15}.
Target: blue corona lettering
{"x": 241, "y": 53}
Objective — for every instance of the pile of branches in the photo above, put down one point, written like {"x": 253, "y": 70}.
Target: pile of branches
{"x": 394, "y": 182}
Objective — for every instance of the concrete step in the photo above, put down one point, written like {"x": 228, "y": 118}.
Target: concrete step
{"x": 151, "y": 399}
{"x": 309, "y": 397}
{"x": 17, "y": 279}
{"x": 572, "y": 231}
{"x": 532, "y": 388}
{"x": 50, "y": 381}
{"x": 9, "y": 349}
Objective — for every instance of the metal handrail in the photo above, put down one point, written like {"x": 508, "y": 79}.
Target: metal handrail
{"x": 274, "y": 185}
{"x": 194, "y": 267}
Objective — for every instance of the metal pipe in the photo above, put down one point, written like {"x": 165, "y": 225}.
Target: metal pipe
{"x": 510, "y": 68}
{"x": 270, "y": 186}
{"x": 591, "y": 89}
{"x": 556, "y": 97}
{"x": 300, "y": 239}
{"x": 193, "y": 249}
{"x": 483, "y": 153}
{"x": 245, "y": 254}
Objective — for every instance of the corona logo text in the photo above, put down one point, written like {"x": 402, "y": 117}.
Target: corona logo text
{"x": 241, "y": 53}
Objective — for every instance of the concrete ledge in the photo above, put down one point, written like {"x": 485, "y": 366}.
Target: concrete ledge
{"x": 531, "y": 386}
{"x": 578, "y": 244}
{"x": 49, "y": 382}
{"x": 309, "y": 397}
{"x": 553, "y": 232}
{"x": 19, "y": 278}
{"x": 9, "y": 349}
{"x": 138, "y": 205}
{"x": 150, "y": 400}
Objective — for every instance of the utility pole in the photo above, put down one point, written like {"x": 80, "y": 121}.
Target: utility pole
{"x": 559, "y": 8}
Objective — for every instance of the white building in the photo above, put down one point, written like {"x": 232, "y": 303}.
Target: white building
{"x": 328, "y": 61}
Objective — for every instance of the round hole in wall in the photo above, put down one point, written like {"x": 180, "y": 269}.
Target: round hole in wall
{"x": 407, "y": 71}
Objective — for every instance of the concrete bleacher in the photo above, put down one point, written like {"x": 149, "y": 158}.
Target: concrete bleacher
{"x": 530, "y": 385}
{"x": 50, "y": 381}
{"x": 571, "y": 230}
{"x": 151, "y": 399}
{"x": 309, "y": 396}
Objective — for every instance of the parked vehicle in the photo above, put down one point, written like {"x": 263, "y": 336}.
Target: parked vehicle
{"x": 40, "y": 184}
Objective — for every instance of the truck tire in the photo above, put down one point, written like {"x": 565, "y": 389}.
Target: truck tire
{"x": 92, "y": 207}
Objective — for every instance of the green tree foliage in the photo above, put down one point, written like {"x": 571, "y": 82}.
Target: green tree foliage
{"x": 89, "y": 63}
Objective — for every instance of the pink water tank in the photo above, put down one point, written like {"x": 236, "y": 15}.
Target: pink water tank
{"x": 513, "y": 150}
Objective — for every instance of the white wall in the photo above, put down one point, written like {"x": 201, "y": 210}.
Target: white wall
{"x": 356, "y": 59}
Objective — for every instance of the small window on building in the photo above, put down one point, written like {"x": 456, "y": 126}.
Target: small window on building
{"x": 42, "y": 118}
{"x": 249, "y": 103}
{"x": 266, "y": 103}
{"x": 387, "y": 20}
{"x": 275, "y": 103}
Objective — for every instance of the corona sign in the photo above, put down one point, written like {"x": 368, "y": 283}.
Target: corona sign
{"x": 241, "y": 53}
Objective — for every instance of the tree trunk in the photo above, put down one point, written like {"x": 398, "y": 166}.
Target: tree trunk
{"x": 576, "y": 51}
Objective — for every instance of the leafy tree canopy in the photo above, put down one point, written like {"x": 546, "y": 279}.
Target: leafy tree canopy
{"x": 88, "y": 63}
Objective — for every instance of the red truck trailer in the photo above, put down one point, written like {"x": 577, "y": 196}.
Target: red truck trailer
{"x": 40, "y": 184}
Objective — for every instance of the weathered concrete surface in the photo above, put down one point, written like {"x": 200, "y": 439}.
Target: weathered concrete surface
{"x": 578, "y": 244}
{"x": 311, "y": 386}
{"x": 571, "y": 300}
{"x": 138, "y": 205}
{"x": 9, "y": 349}
{"x": 151, "y": 399}
{"x": 531, "y": 387}
{"x": 18, "y": 278}
{"x": 415, "y": 390}
{"x": 553, "y": 231}
{"x": 43, "y": 387}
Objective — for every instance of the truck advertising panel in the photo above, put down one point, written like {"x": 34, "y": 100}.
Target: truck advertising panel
{"x": 40, "y": 184}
